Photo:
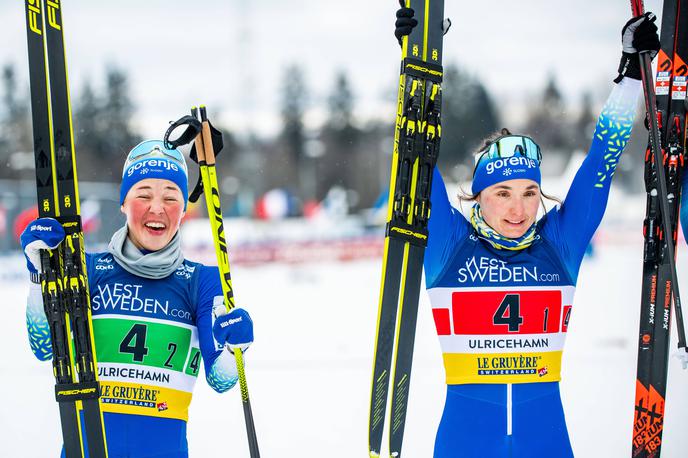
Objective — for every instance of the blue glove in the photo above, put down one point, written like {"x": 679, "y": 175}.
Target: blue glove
{"x": 234, "y": 329}
{"x": 40, "y": 234}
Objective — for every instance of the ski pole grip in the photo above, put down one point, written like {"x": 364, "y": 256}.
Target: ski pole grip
{"x": 200, "y": 149}
{"x": 207, "y": 138}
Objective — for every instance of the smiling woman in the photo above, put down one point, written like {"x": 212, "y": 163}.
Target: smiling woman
{"x": 154, "y": 210}
{"x": 154, "y": 314}
{"x": 501, "y": 282}
{"x": 506, "y": 207}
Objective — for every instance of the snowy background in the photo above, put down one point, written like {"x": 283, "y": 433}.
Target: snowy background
{"x": 309, "y": 369}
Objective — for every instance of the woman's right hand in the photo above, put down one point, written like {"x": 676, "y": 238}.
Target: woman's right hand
{"x": 405, "y": 21}
{"x": 233, "y": 329}
{"x": 40, "y": 234}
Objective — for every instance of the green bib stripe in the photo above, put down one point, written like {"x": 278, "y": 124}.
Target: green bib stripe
{"x": 127, "y": 344}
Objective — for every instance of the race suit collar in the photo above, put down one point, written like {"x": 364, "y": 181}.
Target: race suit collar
{"x": 153, "y": 265}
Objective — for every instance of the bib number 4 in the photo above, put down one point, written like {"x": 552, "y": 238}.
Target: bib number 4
{"x": 135, "y": 342}
{"x": 508, "y": 313}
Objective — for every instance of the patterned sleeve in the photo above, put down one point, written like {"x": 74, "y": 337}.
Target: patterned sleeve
{"x": 574, "y": 223}
{"x": 219, "y": 363}
{"x": 37, "y": 323}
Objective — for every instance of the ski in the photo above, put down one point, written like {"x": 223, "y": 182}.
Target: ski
{"x": 416, "y": 147}
{"x": 63, "y": 281}
{"x": 663, "y": 170}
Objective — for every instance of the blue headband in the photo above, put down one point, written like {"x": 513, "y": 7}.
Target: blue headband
{"x": 153, "y": 165}
{"x": 496, "y": 170}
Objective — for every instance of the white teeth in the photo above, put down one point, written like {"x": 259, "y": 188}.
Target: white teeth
{"x": 155, "y": 225}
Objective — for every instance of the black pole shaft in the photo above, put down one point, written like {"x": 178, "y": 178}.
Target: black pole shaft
{"x": 656, "y": 147}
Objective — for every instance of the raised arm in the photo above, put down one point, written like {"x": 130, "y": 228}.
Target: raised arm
{"x": 586, "y": 201}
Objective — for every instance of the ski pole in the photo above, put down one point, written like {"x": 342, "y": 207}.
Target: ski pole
{"x": 206, "y": 161}
{"x": 638, "y": 9}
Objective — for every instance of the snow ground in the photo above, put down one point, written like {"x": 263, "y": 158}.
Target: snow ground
{"x": 309, "y": 369}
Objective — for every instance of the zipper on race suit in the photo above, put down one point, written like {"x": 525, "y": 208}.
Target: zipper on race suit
{"x": 509, "y": 409}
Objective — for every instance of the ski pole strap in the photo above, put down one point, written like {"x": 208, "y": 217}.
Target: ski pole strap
{"x": 217, "y": 143}
{"x": 629, "y": 67}
{"x": 197, "y": 190}
{"x": 216, "y": 140}
{"x": 193, "y": 127}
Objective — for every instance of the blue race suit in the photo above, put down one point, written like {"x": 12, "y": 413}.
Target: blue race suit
{"x": 502, "y": 315}
{"x": 150, "y": 337}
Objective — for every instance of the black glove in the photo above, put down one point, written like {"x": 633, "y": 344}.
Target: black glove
{"x": 405, "y": 22}
{"x": 638, "y": 35}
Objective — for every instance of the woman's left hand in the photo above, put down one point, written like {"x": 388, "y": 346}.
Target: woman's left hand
{"x": 640, "y": 35}
{"x": 234, "y": 329}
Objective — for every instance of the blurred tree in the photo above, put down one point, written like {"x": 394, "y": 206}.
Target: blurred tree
{"x": 345, "y": 160}
{"x": 341, "y": 103}
{"x": 231, "y": 167}
{"x": 105, "y": 132}
{"x": 294, "y": 98}
{"x": 88, "y": 119}
{"x": 548, "y": 123}
{"x": 15, "y": 123}
{"x": 287, "y": 161}
{"x": 119, "y": 134}
{"x": 584, "y": 125}
{"x": 377, "y": 144}
{"x": 468, "y": 116}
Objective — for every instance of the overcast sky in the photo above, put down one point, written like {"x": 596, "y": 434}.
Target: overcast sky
{"x": 231, "y": 53}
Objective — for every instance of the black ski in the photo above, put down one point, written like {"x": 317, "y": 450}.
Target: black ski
{"x": 63, "y": 281}
{"x": 416, "y": 148}
{"x": 663, "y": 186}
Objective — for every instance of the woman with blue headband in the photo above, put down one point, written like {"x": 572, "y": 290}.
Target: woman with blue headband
{"x": 154, "y": 319}
{"x": 501, "y": 282}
